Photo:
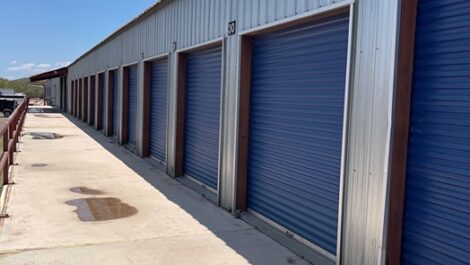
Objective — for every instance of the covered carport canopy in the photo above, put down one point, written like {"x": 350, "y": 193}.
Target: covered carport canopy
{"x": 49, "y": 75}
{"x": 58, "y": 96}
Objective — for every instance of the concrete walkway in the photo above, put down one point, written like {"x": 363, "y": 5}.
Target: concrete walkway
{"x": 81, "y": 199}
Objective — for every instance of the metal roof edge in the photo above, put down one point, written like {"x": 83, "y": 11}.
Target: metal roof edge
{"x": 49, "y": 74}
{"x": 146, "y": 13}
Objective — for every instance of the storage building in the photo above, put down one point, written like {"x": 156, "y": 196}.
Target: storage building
{"x": 339, "y": 127}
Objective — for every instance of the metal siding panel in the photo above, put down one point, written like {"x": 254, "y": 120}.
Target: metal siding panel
{"x": 229, "y": 121}
{"x": 290, "y": 8}
{"x": 247, "y": 11}
{"x": 154, "y": 30}
{"x": 297, "y": 98}
{"x": 103, "y": 102}
{"x": 219, "y": 21}
{"x": 280, "y": 9}
{"x": 92, "y": 96}
{"x": 158, "y": 111}
{"x": 436, "y": 227}
{"x": 201, "y": 141}
{"x": 116, "y": 103}
{"x": 301, "y": 6}
{"x": 369, "y": 132}
{"x": 159, "y": 31}
{"x": 189, "y": 23}
{"x": 313, "y": 4}
{"x": 132, "y": 124}
{"x": 263, "y": 12}
{"x": 207, "y": 19}
{"x": 172, "y": 107}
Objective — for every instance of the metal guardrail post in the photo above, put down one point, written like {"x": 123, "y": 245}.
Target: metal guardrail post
{"x": 4, "y": 159}
{"x": 10, "y": 133}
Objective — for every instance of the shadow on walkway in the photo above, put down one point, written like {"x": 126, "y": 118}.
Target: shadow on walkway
{"x": 251, "y": 244}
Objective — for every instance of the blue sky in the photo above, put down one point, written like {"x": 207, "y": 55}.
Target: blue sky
{"x": 41, "y": 35}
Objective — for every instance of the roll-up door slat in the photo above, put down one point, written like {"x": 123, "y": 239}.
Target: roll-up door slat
{"x": 115, "y": 104}
{"x": 132, "y": 100}
{"x": 202, "y": 114}
{"x": 296, "y": 128}
{"x": 158, "y": 112}
{"x": 436, "y": 220}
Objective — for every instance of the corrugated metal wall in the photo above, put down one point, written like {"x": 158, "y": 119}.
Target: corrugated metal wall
{"x": 189, "y": 23}
{"x": 52, "y": 91}
{"x": 368, "y": 143}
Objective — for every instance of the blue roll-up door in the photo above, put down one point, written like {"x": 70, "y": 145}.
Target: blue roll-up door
{"x": 437, "y": 206}
{"x": 296, "y": 128}
{"x": 115, "y": 104}
{"x": 132, "y": 111}
{"x": 201, "y": 134}
{"x": 158, "y": 111}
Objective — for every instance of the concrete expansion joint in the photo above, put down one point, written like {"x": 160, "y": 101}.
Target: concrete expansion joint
{"x": 14, "y": 251}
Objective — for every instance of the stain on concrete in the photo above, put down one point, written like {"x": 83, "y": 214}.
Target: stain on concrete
{"x": 42, "y": 110}
{"x": 45, "y": 135}
{"x": 39, "y": 165}
{"x": 101, "y": 209}
{"x": 85, "y": 190}
{"x": 36, "y": 110}
{"x": 46, "y": 116}
{"x": 291, "y": 260}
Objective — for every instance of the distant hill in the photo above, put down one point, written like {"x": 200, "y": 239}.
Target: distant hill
{"x": 23, "y": 86}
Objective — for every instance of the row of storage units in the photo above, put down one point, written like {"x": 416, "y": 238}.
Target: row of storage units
{"x": 293, "y": 119}
{"x": 106, "y": 108}
{"x": 296, "y": 122}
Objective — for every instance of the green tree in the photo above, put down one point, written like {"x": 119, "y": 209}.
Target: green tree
{"x": 23, "y": 86}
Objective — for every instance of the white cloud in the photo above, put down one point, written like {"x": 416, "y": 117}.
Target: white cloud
{"x": 43, "y": 65}
{"x": 23, "y": 67}
{"x": 29, "y": 69}
{"x": 62, "y": 64}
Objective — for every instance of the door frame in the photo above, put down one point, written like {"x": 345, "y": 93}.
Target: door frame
{"x": 181, "y": 56}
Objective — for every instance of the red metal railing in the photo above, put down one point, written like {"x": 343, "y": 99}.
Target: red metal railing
{"x": 10, "y": 132}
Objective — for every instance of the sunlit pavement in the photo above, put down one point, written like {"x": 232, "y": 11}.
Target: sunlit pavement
{"x": 81, "y": 199}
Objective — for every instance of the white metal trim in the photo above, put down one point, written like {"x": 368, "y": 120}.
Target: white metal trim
{"x": 113, "y": 68}
{"x": 130, "y": 64}
{"x": 302, "y": 240}
{"x": 221, "y": 119}
{"x": 237, "y": 129}
{"x": 382, "y": 249}
{"x": 200, "y": 45}
{"x": 346, "y": 111}
{"x": 157, "y": 57}
{"x": 168, "y": 87}
{"x": 312, "y": 13}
